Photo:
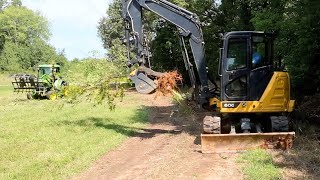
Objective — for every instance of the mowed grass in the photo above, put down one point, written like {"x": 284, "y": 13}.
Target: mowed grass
{"x": 258, "y": 164}
{"x": 41, "y": 140}
{"x": 5, "y": 80}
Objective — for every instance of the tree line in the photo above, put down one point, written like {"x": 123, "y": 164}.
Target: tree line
{"x": 24, "y": 36}
{"x": 296, "y": 24}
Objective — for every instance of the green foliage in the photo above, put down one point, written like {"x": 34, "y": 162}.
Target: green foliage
{"x": 91, "y": 80}
{"x": 181, "y": 99}
{"x": 8, "y": 3}
{"x": 297, "y": 45}
{"x": 118, "y": 55}
{"x": 295, "y": 22}
{"x": 258, "y": 164}
{"x": 166, "y": 50}
{"x": 211, "y": 16}
{"x": 9, "y": 60}
{"x": 111, "y": 26}
{"x": 91, "y": 71}
{"x": 22, "y": 25}
{"x": 111, "y": 31}
{"x": 24, "y": 36}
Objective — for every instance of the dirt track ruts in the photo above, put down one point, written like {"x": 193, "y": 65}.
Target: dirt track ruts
{"x": 168, "y": 148}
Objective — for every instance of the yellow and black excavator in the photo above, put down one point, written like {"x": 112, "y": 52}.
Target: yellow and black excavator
{"x": 249, "y": 108}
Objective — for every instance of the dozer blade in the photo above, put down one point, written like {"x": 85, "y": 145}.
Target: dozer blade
{"x": 222, "y": 143}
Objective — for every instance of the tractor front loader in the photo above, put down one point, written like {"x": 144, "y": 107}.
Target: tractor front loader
{"x": 46, "y": 85}
{"x": 249, "y": 109}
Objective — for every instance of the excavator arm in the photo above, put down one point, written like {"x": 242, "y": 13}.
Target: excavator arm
{"x": 188, "y": 24}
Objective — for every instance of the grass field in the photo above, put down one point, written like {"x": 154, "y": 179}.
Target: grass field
{"x": 258, "y": 164}
{"x": 5, "y": 80}
{"x": 41, "y": 140}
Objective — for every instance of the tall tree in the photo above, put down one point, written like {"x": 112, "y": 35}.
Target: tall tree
{"x": 24, "y": 37}
{"x": 111, "y": 32}
{"x": 23, "y": 26}
{"x": 111, "y": 26}
{"x": 296, "y": 23}
{"x": 7, "y": 3}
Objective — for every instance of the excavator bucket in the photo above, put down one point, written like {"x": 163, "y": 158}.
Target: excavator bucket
{"x": 222, "y": 143}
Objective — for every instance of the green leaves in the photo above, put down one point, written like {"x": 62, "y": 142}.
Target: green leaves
{"x": 111, "y": 27}
{"x": 296, "y": 23}
{"x": 23, "y": 26}
{"x": 24, "y": 39}
{"x": 297, "y": 44}
{"x": 92, "y": 80}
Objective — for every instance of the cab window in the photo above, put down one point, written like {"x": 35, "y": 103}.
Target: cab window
{"x": 44, "y": 70}
{"x": 237, "y": 88}
{"x": 237, "y": 54}
{"x": 260, "y": 55}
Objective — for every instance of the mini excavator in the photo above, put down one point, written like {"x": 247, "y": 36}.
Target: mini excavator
{"x": 249, "y": 108}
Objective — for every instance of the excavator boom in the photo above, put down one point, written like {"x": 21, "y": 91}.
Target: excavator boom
{"x": 189, "y": 27}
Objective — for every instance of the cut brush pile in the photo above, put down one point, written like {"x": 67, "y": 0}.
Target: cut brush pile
{"x": 168, "y": 83}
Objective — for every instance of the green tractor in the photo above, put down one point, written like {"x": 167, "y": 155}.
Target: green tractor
{"x": 46, "y": 85}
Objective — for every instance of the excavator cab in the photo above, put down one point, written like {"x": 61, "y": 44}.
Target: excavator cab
{"x": 246, "y": 65}
{"x": 254, "y": 99}
{"x": 250, "y": 82}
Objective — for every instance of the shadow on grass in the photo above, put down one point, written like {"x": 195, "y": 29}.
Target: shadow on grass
{"x": 22, "y": 100}
{"x": 121, "y": 129}
{"x": 161, "y": 117}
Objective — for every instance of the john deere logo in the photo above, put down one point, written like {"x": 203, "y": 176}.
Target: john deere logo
{"x": 230, "y": 105}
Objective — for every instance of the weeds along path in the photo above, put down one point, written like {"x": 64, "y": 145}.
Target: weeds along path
{"x": 169, "y": 148}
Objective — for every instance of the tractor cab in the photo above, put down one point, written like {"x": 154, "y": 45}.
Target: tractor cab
{"x": 46, "y": 85}
{"x": 49, "y": 70}
{"x": 246, "y": 65}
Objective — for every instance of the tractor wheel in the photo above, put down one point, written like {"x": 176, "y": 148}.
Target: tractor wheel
{"x": 212, "y": 125}
{"x": 36, "y": 96}
{"x": 51, "y": 95}
{"x": 29, "y": 95}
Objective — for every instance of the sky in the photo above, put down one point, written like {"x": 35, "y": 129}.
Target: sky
{"x": 73, "y": 24}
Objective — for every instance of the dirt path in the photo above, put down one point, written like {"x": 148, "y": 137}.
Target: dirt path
{"x": 169, "y": 148}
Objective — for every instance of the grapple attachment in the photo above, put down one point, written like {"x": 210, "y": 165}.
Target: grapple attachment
{"x": 27, "y": 83}
{"x": 143, "y": 83}
{"x": 143, "y": 78}
{"x": 221, "y": 143}
{"x": 24, "y": 83}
